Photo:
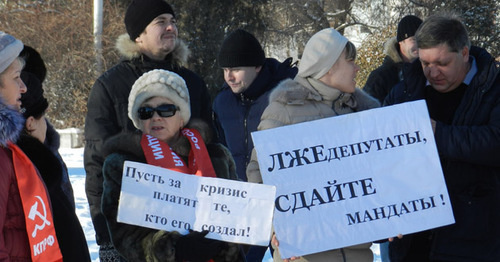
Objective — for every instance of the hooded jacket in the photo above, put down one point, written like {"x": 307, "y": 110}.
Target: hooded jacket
{"x": 237, "y": 115}
{"x": 302, "y": 100}
{"x": 382, "y": 79}
{"x": 137, "y": 243}
{"x": 14, "y": 243}
{"x": 108, "y": 107}
{"x": 469, "y": 150}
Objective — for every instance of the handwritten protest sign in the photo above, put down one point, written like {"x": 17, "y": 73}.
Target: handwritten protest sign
{"x": 230, "y": 210}
{"x": 353, "y": 178}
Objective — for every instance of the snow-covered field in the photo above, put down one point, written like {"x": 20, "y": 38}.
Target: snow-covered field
{"x": 73, "y": 157}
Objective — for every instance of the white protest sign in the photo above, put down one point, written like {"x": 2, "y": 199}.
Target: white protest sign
{"x": 163, "y": 199}
{"x": 354, "y": 178}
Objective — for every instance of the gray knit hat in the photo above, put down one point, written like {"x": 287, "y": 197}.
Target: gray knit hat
{"x": 321, "y": 52}
{"x": 10, "y": 48}
{"x": 161, "y": 83}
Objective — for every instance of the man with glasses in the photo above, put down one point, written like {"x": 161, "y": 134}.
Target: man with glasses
{"x": 150, "y": 43}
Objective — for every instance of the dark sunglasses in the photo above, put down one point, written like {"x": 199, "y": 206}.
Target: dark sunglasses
{"x": 166, "y": 110}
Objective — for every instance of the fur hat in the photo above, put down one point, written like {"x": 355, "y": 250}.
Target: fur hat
{"x": 240, "y": 48}
{"x": 162, "y": 83}
{"x": 10, "y": 48}
{"x": 33, "y": 102}
{"x": 407, "y": 27}
{"x": 34, "y": 63}
{"x": 321, "y": 53}
{"x": 141, "y": 12}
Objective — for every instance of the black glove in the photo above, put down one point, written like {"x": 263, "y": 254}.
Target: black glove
{"x": 108, "y": 253}
{"x": 196, "y": 248}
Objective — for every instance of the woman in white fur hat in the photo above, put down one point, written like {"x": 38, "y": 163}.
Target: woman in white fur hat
{"x": 324, "y": 87}
{"x": 159, "y": 108}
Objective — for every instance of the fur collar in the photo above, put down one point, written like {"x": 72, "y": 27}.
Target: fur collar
{"x": 132, "y": 146}
{"x": 300, "y": 89}
{"x": 391, "y": 49}
{"x": 44, "y": 160}
{"x": 130, "y": 50}
{"x": 294, "y": 92}
{"x": 11, "y": 124}
{"x": 290, "y": 91}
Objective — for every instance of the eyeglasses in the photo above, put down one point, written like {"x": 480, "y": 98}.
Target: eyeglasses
{"x": 166, "y": 110}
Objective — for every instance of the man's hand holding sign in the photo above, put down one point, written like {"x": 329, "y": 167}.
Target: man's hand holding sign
{"x": 355, "y": 179}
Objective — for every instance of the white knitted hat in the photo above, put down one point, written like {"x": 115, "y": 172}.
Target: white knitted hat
{"x": 321, "y": 52}
{"x": 161, "y": 83}
{"x": 10, "y": 48}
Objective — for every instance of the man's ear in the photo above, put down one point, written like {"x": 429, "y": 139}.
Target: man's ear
{"x": 258, "y": 68}
{"x": 138, "y": 39}
{"x": 465, "y": 53}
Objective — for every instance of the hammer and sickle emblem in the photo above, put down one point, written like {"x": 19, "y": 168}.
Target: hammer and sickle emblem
{"x": 35, "y": 213}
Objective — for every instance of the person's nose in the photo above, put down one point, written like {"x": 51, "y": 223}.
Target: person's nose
{"x": 22, "y": 87}
{"x": 156, "y": 116}
{"x": 170, "y": 26}
{"x": 228, "y": 75}
{"x": 433, "y": 71}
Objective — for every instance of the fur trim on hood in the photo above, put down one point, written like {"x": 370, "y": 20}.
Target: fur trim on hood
{"x": 130, "y": 50}
{"x": 11, "y": 124}
{"x": 391, "y": 49}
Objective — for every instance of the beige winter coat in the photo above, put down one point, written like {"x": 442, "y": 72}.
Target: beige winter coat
{"x": 301, "y": 100}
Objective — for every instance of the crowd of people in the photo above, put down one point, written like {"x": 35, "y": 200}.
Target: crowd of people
{"x": 152, "y": 93}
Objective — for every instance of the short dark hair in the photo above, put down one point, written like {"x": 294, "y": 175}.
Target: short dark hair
{"x": 440, "y": 29}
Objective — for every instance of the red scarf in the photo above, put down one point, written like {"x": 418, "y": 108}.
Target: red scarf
{"x": 158, "y": 153}
{"x": 37, "y": 209}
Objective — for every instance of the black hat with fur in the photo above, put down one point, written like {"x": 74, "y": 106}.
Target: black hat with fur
{"x": 34, "y": 63}
{"x": 33, "y": 102}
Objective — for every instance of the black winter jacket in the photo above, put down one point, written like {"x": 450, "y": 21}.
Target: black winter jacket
{"x": 237, "y": 115}
{"x": 385, "y": 77}
{"x": 107, "y": 111}
{"x": 137, "y": 243}
{"x": 69, "y": 232}
{"x": 469, "y": 151}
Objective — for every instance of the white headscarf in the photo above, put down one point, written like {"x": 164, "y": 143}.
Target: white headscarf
{"x": 321, "y": 52}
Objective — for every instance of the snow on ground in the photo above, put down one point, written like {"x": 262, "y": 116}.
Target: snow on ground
{"x": 74, "y": 160}
{"x": 73, "y": 157}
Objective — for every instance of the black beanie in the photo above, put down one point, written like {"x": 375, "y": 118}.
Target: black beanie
{"x": 33, "y": 102}
{"x": 407, "y": 27}
{"x": 240, "y": 48}
{"x": 141, "y": 12}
